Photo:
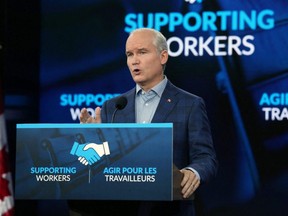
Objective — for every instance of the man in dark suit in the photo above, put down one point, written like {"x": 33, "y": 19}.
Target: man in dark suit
{"x": 155, "y": 99}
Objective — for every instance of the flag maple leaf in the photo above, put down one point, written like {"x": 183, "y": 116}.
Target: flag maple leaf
{"x": 6, "y": 196}
{"x": 6, "y": 188}
{"x": 4, "y": 182}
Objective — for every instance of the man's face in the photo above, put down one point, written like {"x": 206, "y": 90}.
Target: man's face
{"x": 143, "y": 59}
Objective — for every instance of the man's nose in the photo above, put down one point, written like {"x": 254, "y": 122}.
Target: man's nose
{"x": 135, "y": 60}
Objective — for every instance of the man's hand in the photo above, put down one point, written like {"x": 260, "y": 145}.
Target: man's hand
{"x": 85, "y": 117}
{"x": 190, "y": 183}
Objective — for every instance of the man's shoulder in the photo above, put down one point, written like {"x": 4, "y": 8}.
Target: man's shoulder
{"x": 180, "y": 92}
{"x": 126, "y": 94}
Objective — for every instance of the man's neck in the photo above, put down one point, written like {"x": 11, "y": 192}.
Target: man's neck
{"x": 149, "y": 86}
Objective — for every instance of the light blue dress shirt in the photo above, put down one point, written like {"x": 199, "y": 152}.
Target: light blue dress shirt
{"x": 146, "y": 102}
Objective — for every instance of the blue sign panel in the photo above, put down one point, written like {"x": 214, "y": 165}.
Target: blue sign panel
{"x": 94, "y": 161}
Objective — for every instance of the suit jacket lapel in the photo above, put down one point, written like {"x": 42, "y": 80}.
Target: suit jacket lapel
{"x": 129, "y": 110}
{"x": 166, "y": 104}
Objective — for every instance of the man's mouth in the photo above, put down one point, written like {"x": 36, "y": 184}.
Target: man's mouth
{"x": 136, "y": 70}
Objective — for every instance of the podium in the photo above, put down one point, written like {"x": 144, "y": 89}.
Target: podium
{"x": 126, "y": 161}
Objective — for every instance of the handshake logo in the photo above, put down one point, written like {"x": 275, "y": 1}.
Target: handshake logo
{"x": 193, "y": 1}
{"x": 90, "y": 153}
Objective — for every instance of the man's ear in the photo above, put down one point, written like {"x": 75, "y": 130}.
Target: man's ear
{"x": 164, "y": 57}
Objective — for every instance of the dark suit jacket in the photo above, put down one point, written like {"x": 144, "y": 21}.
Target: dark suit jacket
{"x": 192, "y": 140}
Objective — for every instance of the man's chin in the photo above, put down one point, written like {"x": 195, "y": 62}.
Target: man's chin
{"x": 138, "y": 80}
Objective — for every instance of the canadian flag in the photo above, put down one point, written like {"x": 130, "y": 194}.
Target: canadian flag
{"x": 6, "y": 186}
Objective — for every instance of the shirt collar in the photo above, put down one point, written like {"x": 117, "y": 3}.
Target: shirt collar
{"x": 159, "y": 88}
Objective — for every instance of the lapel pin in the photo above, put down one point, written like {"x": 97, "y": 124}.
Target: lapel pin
{"x": 168, "y": 100}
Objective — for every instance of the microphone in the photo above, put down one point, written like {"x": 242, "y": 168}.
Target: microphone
{"x": 119, "y": 105}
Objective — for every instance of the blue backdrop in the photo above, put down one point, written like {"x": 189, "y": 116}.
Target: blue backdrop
{"x": 231, "y": 53}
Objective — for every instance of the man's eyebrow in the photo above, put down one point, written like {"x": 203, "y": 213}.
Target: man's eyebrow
{"x": 139, "y": 49}
{"x": 142, "y": 49}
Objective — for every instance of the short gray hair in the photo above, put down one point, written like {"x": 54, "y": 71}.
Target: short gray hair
{"x": 159, "y": 40}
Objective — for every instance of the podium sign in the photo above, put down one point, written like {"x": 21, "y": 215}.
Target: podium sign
{"x": 127, "y": 161}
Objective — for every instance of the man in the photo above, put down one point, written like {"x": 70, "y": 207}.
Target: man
{"x": 155, "y": 99}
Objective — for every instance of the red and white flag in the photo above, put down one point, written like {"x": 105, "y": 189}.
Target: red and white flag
{"x": 6, "y": 186}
